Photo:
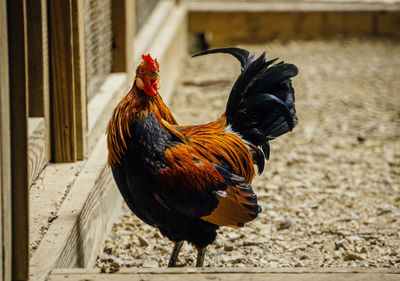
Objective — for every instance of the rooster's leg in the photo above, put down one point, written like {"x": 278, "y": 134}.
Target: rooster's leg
{"x": 201, "y": 253}
{"x": 175, "y": 253}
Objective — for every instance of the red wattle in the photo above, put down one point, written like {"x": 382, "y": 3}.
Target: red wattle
{"x": 149, "y": 90}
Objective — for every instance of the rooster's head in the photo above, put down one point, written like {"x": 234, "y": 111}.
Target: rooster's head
{"x": 147, "y": 77}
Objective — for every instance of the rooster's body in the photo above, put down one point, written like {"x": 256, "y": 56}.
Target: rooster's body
{"x": 189, "y": 180}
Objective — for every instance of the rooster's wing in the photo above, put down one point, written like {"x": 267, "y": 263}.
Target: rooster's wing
{"x": 193, "y": 185}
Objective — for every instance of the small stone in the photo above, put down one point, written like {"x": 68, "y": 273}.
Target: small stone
{"x": 285, "y": 224}
{"x": 274, "y": 264}
{"x": 363, "y": 250}
{"x": 52, "y": 218}
{"x": 304, "y": 257}
{"x": 352, "y": 264}
{"x": 142, "y": 241}
{"x": 341, "y": 244}
{"x": 351, "y": 257}
{"x": 233, "y": 236}
{"x": 283, "y": 261}
{"x": 228, "y": 247}
{"x": 299, "y": 264}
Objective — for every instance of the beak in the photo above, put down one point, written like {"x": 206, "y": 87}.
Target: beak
{"x": 155, "y": 74}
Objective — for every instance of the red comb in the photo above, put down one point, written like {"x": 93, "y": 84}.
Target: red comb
{"x": 150, "y": 62}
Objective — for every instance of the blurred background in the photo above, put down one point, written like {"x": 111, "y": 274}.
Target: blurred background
{"x": 331, "y": 190}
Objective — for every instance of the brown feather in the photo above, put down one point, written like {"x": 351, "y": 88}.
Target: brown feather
{"x": 133, "y": 106}
{"x": 230, "y": 210}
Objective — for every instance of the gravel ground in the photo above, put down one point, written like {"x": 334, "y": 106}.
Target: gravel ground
{"x": 331, "y": 190}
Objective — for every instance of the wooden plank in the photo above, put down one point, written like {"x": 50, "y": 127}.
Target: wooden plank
{"x": 37, "y": 147}
{"x": 61, "y": 178}
{"x": 123, "y": 21}
{"x": 38, "y": 68}
{"x": 76, "y": 236}
{"x": 193, "y": 271}
{"x": 170, "y": 48}
{"x": 16, "y": 14}
{"x": 263, "y": 26}
{"x": 95, "y": 221}
{"x": 5, "y": 159}
{"x": 49, "y": 192}
{"x": 228, "y": 277}
{"x": 37, "y": 55}
{"x": 226, "y": 274}
{"x": 62, "y": 82}
{"x": 290, "y": 6}
{"x": 388, "y": 24}
{"x": 103, "y": 103}
{"x": 151, "y": 28}
{"x": 79, "y": 65}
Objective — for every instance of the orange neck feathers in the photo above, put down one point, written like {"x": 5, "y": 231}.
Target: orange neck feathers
{"x": 134, "y": 105}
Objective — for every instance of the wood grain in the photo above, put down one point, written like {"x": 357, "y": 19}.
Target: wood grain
{"x": 62, "y": 82}
{"x": 256, "y": 22}
{"x": 37, "y": 54}
{"x": 123, "y": 20}
{"x": 94, "y": 222}
{"x": 103, "y": 103}
{"x": 169, "y": 46}
{"x": 150, "y": 30}
{"x": 290, "y": 6}
{"x": 16, "y": 15}
{"x": 38, "y": 81}
{"x": 5, "y": 159}
{"x": 225, "y": 274}
{"x": 79, "y": 57}
{"x": 83, "y": 219}
{"x": 37, "y": 147}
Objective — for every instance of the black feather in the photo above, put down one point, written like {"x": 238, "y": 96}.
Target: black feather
{"x": 241, "y": 54}
{"x": 266, "y": 149}
{"x": 258, "y": 159}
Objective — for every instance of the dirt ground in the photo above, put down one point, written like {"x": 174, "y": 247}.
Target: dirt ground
{"x": 330, "y": 193}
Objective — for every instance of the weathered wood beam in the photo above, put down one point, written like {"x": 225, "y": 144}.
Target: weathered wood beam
{"x": 79, "y": 66}
{"x": 169, "y": 46}
{"x": 17, "y": 42}
{"x": 233, "y": 23}
{"x": 63, "y": 113}
{"x": 38, "y": 67}
{"x": 226, "y": 274}
{"x": 5, "y": 159}
{"x": 75, "y": 238}
{"x": 123, "y": 20}
{"x": 38, "y": 83}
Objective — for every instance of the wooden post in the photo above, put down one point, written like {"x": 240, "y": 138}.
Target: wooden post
{"x": 5, "y": 159}
{"x": 79, "y": 65}
{"x": 123, "y": 20}
{"x": 62, "y": 82}
{"x": 38, "y": 66}
{"x": 17, "y": 42}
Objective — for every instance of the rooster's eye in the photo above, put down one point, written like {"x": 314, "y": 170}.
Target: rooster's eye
{"x": 141, "y": 70}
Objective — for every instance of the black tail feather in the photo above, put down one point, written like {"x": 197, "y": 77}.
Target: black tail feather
{"x": 265, "y": 148}
{"x": 241, "y": 54}
{"x": 261, "y": 103}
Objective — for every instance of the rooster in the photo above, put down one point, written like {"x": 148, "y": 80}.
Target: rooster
{"x": 189, "y": 180}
